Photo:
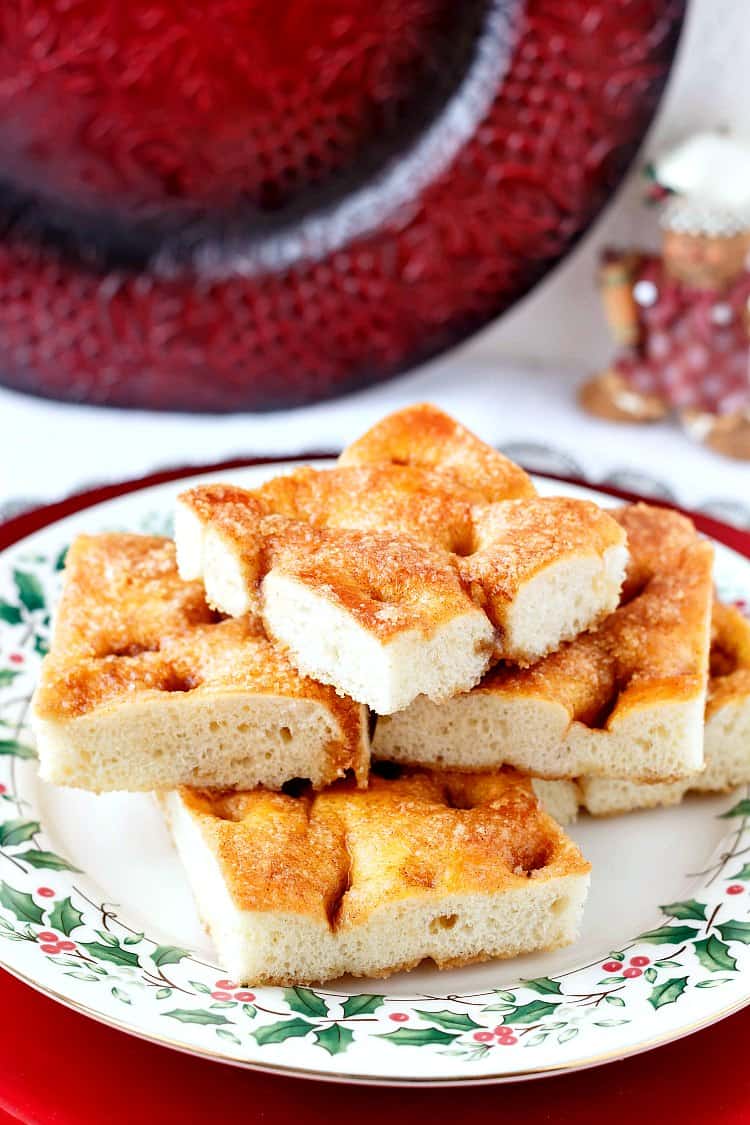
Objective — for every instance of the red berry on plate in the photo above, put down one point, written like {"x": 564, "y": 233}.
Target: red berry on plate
{"x": 50, "y": 948}
{"x": 735, "y": 889}
{"x": 630, "y": 973}
{"x": 66, "y": 945}
{"x": 47, "y": 935}
{"x": 45, "y": 892}
{"x": 2, "y": 789}
{"x": 16, "y": 657}
{"x": 398, "y": 1017}
{"x": 640, "y": 961}
{"x": 226, "y": 984}
{"x": 220, "y": 995}
{"x": 611, "y": 966}
{"x": 248, "y": 997}
{"x": 483, "y": 1036}
{"x": 501, "y": 1029}
{"x": 508, "y": 1041}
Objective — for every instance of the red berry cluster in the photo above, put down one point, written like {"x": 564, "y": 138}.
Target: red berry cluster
{"x": 502, "y": 1035}
{"x": 634, "y": 968}
{"x": 51, "y": 943}
{"x": 228, "y": 990}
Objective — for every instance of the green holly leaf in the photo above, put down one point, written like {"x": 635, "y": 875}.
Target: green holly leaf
{"x": 714, "y": 954}
{"x": 199, "y": 986}
{"x": 650, "y": 975}
{"x": 222, "y": 1004}
{"x": 64, "y": 917}
{"x": 169, "y": 954}
{"x": 537, "y": 1038}
{"x": 669, "y": 935}
{"x": 610, "y": 1023}
{"x": 667, "y": 992}
{"x": 80, "y": 975}
{"x": 735, "y": 931}
{"x": 10, "y": 613}
{"x": 742, "y": 808}
{"x": 41, "y": 648}
{"x": 713, "y": 982}
{"x": 567, "y": 1035}
{"x": 60, "y": 560}
{"x": 121, "y": 996}
{"x": 195, "y": 1015}
{"x": 690, "y": 908}
{"x": 107, "y": 937}
{"x": 133, "y": 939}
{"x": 223, "y": 1033}
{"x": 663, "y": 963}
{"x": 334, "y": 1039}
{"x": 7, "y": 676}
{"x": 20, "y": 904}
{"x": 616, "y": 1001}
{"x": 284, "y": 1029}
{"x": 544, "y": 985}
{"x": 29, "y": 589}
{"x": 451, "y": 1021}
{"x": 250, "y": 1011}
{"x": 16, "y": 831}
{"x": 114, "y": 953}
{"x": 363, "y": 1005}
{"x": 163, "y": 993}
{"x": 743, "y": 873}
{"x": 530, "y": 1013}
{"x": 13, "y": 748}
{"x": 48, "y": 861}
{"x": 418, "y": 1036}
{"x": 305, "y": 1001}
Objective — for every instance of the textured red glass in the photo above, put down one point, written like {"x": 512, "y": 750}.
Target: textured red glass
{"x": 237, "y": 204}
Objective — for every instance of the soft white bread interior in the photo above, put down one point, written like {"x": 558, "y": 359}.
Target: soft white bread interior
{"x": 370, "y": 574}
{"x": 144, "y": 688}
{"x": 302, "y": 889}
{"x": 625, "y": 700}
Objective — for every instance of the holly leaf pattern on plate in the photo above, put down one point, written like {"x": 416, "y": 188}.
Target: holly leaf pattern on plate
{"x": 689, "y": 908}
{"x": 65, "y": 917}
{"x": 11, "y": 747}
{"x": 334, "y": 1039}
{"x": 305, "y": 1001}
{"x": 17, "y": 831}
{"x": 363, "y": 1005}
{"x": 48, "y": 861}
{"x": 714, "y": 954}
{"x": 667, "y": 992}
{"x": 450, "y": 1021}
{"x": 530, "y": 1013}
{"x": 418, "y": 1036}
{"x": 742, "y": 808}
{"x": 735, "y": 931}
{"x": 669, "y": 935}
{"x": 114, "y": 953}
{"x": 9, "y": 613}
{"x": 20, "y": 904}
{"x": 195, "y": 1015}
{"x": 284, "y": 1029}
{"x": 545, "y": 985}
{"x": 169, "y": 955}
{"x": 30, "y": 591}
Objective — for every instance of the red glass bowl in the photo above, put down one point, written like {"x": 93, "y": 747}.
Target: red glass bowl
{"x": 249, "y": 204}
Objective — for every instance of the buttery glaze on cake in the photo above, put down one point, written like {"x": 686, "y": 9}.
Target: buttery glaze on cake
{"x": 409, "y": 568}
{"x": 623, "y": 700}
{"x": 145, "y": 686}
{"x": 457, "y": 868}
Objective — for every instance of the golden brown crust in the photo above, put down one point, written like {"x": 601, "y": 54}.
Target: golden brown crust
{"x": 653, "y": 648}
{"x": 128, "y": 624}
{"x": 341, "y": 854}
{"x": 730, "y": 658}
{"x": 426, "y": 438}
{"x": 419, "y": 500}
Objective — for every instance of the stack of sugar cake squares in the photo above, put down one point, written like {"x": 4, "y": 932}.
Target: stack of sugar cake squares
{"x": 367, "y": 696}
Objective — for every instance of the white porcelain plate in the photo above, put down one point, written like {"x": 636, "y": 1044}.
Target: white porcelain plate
{"x": 95, "y": 909}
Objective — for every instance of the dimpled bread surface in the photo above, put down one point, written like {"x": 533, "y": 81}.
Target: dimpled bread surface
{"x": 408, "y": 569}
{"x": 146, "y": 687}
{"x": 456, "y": 868}
{"x": 625, "y": 700}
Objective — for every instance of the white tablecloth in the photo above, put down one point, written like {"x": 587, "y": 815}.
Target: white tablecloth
{"x": 49, "y": 450}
